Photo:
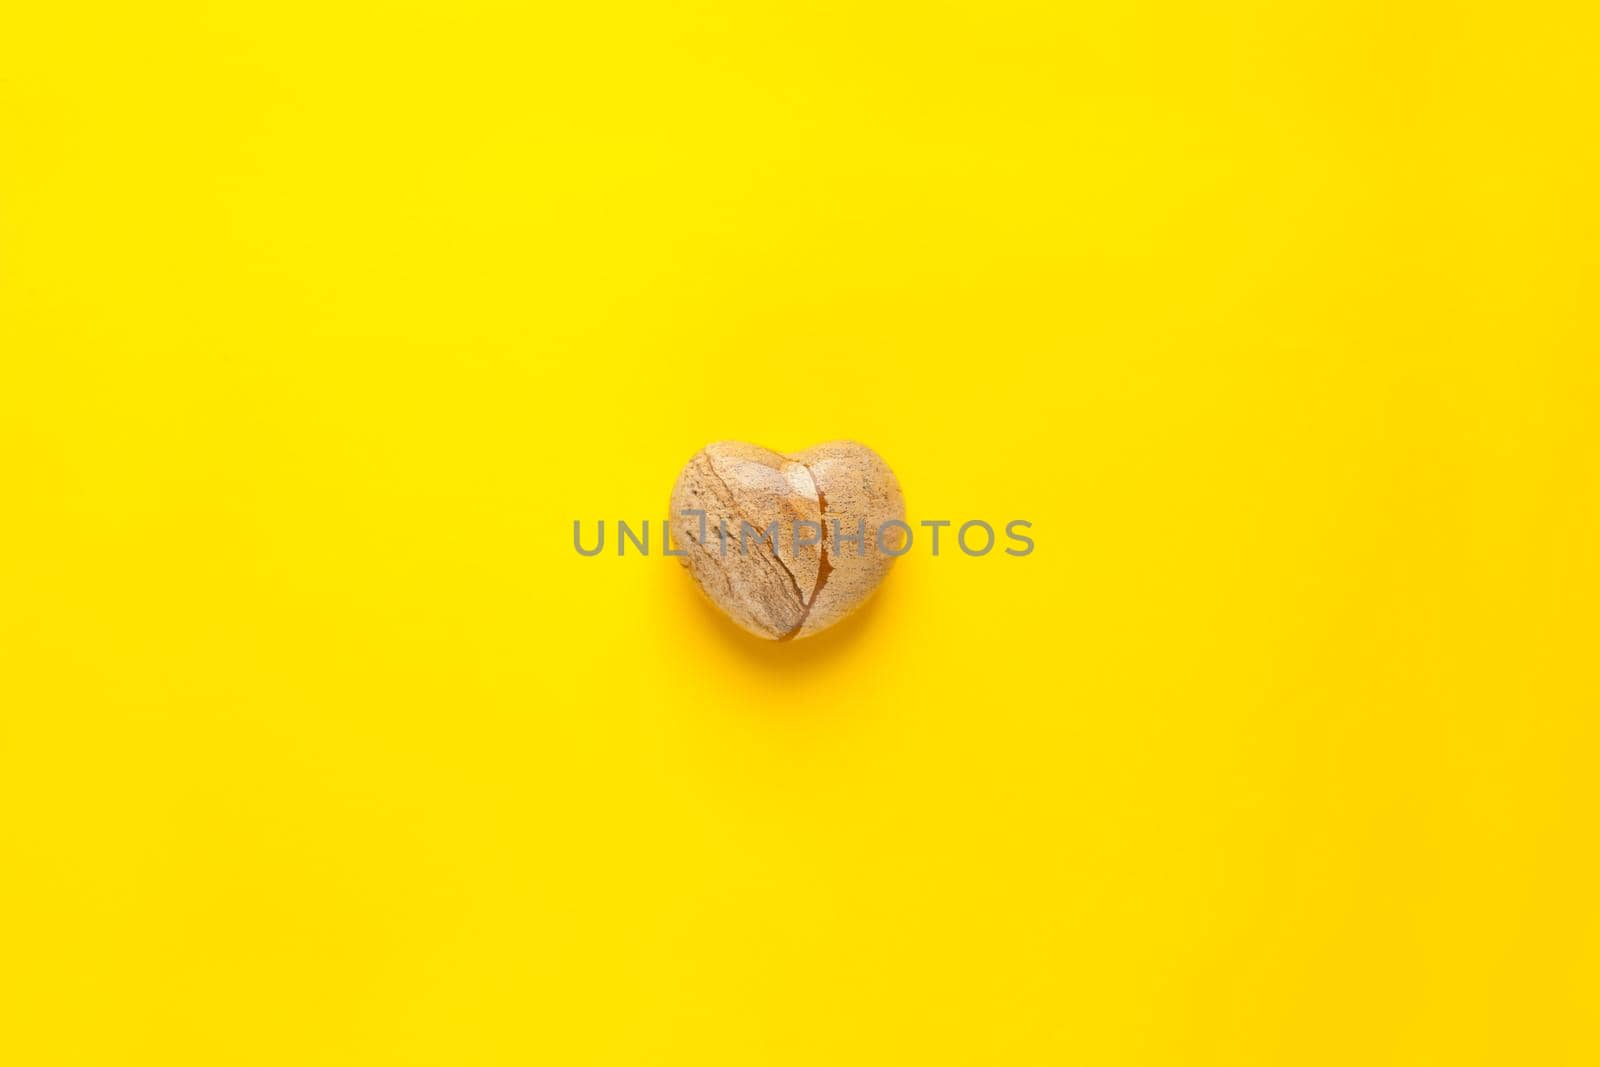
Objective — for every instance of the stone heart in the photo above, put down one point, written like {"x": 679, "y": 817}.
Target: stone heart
{"x": 789, "y": 543}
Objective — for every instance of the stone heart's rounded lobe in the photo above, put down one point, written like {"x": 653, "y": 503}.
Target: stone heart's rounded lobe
{"x": 820, "y": 566}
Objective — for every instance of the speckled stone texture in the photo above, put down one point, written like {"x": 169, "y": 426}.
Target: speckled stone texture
{"x": 783, "y": 588}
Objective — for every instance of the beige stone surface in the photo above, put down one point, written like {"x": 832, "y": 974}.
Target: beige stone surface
{"x": 775, "y": 589}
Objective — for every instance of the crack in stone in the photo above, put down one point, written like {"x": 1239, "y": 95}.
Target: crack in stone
{"x": 824, "y": 568}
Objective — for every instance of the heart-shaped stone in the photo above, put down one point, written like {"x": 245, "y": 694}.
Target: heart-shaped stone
{"x": 789, "y": 544}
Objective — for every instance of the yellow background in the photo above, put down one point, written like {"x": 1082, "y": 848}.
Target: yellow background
{"x": 321, "y": 323}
